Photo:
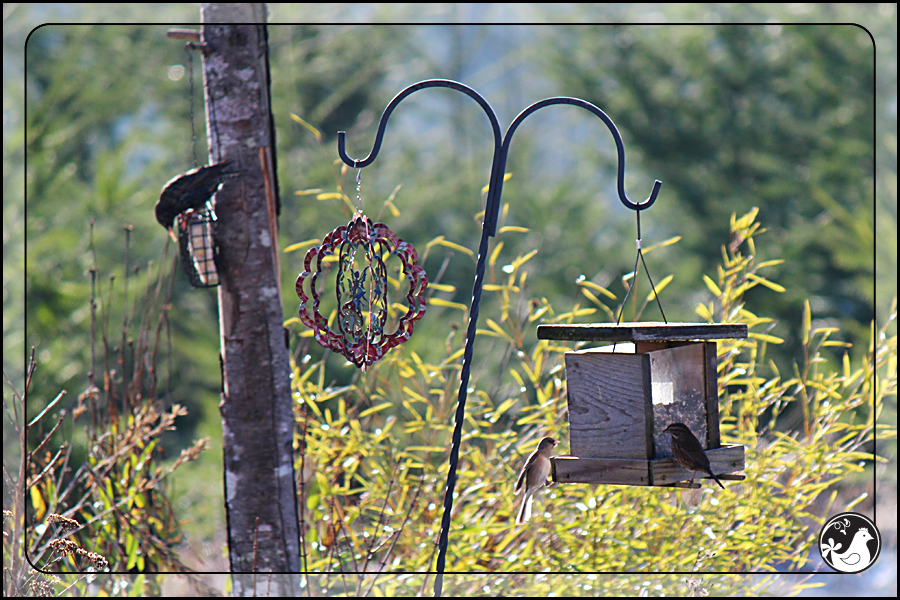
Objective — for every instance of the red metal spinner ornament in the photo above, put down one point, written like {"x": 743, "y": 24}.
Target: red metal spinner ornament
{"x": 362, "y": 285}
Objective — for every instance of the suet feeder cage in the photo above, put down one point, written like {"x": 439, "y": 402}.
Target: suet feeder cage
{"x": 622, "y": 396}
{"x": 197, "y": 245}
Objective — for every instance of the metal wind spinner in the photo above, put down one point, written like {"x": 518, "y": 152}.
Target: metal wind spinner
{"x": 361, "y": 248}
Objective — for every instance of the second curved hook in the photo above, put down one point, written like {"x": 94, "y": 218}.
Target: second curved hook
{"x": 620, "y": 150}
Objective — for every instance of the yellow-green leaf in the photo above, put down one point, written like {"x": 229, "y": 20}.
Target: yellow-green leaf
{"x": 766, "y": 282}
{"x": 663, "y": 244}
{"x": 495, "y": 253}
{"x": 766, "y": 338}
{"x": 493, "y": 287}
{"x": 456, "y": 246}
{"x": 309, "y": 127}
{"x": 745, "y": 221}
{"x": 769, "y": 263}
{"x": 807, "y": 321}
{"x": 447, "y": 303}
{"x": 704, "y": 312}
{"x": 505, "y": 406}
{"x": 659, "y": 287}
{"x": 712, "y": 286}
{"x": 506, "y": 177}
{"x": 493, "y": 325}
{"x": 597, "y": 288}
{"x": 300, "y": 245}
{"x": 591, "y": 296}
{"x": 521, "y": 260}
{"x": 375, "y": 409}
{"x": 330, "y": 196}
{"x": 392, "y": 208}
{"x": 441, "y": 287}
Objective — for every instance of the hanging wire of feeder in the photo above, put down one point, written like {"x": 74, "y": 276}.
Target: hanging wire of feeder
{"x": 639, "y": 258}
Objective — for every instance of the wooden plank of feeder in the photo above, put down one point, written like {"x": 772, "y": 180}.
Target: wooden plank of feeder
{"x": 727, "y": 463}
{"x": 571, "y": 469}
{"x": 607, "y": 405}
{"x": 642, "y": 332}
{"x": 712, "y": 395}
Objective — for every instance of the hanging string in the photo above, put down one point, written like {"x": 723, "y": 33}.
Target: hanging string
{"x": 212, "y": 109}
{"x": 190, "y": 62}
{"x": 640, "y": 257}
{"x": 215, "y": 127}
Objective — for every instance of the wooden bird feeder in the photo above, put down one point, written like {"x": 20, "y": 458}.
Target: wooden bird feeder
{"x": 621, "y": 397}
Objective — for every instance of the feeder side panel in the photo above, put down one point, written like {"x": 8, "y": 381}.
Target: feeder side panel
{"x": 679, "y": 385}
{"x": 712, "y": 395}
{"x": 609, "y": 405}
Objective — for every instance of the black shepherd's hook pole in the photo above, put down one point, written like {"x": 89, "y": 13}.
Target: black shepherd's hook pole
{"x": 488, "y": 229}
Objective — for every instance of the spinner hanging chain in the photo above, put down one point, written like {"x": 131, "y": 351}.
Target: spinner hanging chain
{"x": 361, "y": 248}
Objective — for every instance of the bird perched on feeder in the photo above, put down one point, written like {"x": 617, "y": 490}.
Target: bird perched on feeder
{"x": 687, "y": 451}
{"x": 189, "y": 190}
{"x": 534, "y": 475}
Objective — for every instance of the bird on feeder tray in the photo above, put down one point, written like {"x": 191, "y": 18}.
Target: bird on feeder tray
{"x": 534, "y": 475}
{"x": 688, "y": 452}
{"x": 190, "y": 190}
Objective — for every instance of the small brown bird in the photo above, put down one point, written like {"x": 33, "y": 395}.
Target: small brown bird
{"x": 534, "y": 475}
{"x": 189, "y": 190}
{"x": 687, "y": 451}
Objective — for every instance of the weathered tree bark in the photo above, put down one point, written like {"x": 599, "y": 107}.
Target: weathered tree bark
{"x": 257, "y": 422}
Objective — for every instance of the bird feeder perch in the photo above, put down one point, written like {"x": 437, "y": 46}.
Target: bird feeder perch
{"x": 622, "y": 396}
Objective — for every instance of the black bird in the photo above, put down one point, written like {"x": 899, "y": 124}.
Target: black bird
{"x": 189, "y": 190}
{"x": 688, "y": 452}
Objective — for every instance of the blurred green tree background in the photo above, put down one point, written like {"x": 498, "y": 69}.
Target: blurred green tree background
{"x": 771, "y": 110}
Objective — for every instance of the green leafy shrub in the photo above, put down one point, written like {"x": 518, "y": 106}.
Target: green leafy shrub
{"x": 372, "y": 458}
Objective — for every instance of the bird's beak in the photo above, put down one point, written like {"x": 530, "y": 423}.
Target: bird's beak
{"x": 172, "y": 234}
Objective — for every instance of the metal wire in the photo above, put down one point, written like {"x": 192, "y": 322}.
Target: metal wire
{"x": 640, "y": 256}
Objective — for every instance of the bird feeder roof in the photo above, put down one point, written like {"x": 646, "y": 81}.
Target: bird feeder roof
{"x": 643, "y": 332}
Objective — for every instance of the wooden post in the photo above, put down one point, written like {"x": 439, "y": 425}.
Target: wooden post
{"x": 257, "y": 419}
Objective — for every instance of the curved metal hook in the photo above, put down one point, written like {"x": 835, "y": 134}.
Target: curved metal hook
{"x": 620, "y": 147}
{"x": 358, "y": 164}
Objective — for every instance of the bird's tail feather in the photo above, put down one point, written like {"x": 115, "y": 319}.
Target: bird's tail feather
{"x": 524, "y": 509}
